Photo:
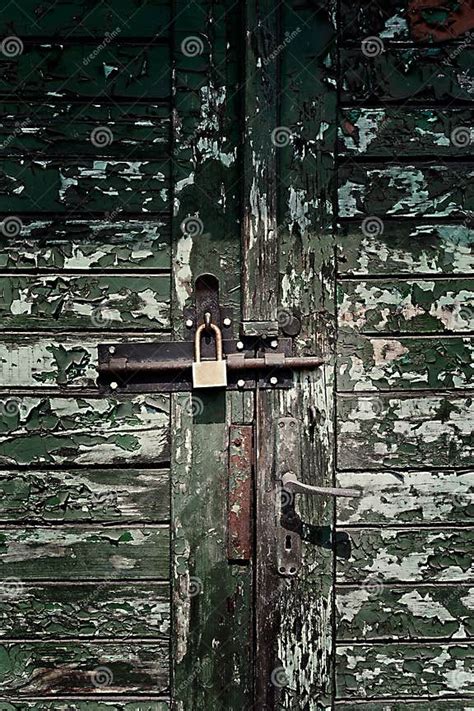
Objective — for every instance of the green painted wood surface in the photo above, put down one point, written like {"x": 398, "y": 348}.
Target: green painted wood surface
{"x": 401, "y": 670}
{"x": 84, "y": 495}
{"x": 85, "y": 610}
{"x": 420, "y": 704}
{"x": 29, "y": 668}
{"x": 78, "y": 705}
{"x": 405, "y": 612}
{"x": 32, "y": 553}
{"x": 68, "y": 431}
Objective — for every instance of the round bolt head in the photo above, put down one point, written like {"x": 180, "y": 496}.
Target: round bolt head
{"x": 240, "y": 346}
{"x": 113, "y": 385}
{"x": 240, "y": 383}
{"x": 112, "y": 349}
{"x": 227, "y": 322}
{"x": 273, "y": 380}
{"x": 189, "y": 323}
{"x": 273, "y": 344}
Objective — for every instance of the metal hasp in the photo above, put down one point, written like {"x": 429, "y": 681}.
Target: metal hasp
{"x": 288, "y": 467}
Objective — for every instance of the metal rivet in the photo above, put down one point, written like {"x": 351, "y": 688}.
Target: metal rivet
{"x": 274, "y": 344}
{"x": 239, "y": 345}
{"x": 113, "y": 385}
{"x": 227, "y": 322}
{"x": 189, "y": 323}
{"x": 240, "y": 383}
{"x": 273, "y": 380}
{"x": 111, "y": 349}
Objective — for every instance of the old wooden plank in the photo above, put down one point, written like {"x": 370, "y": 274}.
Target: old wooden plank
{"x": 38, "y": 186}
{"x": 405, "y": 132}
{"x": 373, "y": 556}
{"x": 42, "y": 611}
{"x": 70, "y": 704}
{"x": 60, "y": 301}
{"x": 54, "y": 553}
{"x": 64, "y": 70}
{"x": 398, "y": 497}
{"x": 377, "y": 246}
{"x": 386, "y": 431}
{"x": 30, "y": 668}
{"x": 407, "y": 306}
{"x": 384, "y": 73}
{"x": 84, "y": 431}
{"x": 65, "y": 129}
{"x": 406, "y": 20}
{"x": 374, "y": 612}
{"x": 398, "y": 670}
{"x": 408, "y": 363}
{"x": 419, "y": 704}
{"x": 85, "y": 495}
{"x": 27, "y": 243}
{"x": 73, "y": 18}
{"x": 418, "y": 190}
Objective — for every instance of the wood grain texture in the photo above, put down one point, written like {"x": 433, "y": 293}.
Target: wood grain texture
{"x": 84, "y": 495}
{"x": 97, "y": 610}
{"x": 78, "y": 705}
{"x": 380, "y": 432}
{"x": 74, "y": 432}
{"x": 420, "y": 704}
{"x": 410, "y": 612}
{"x": 36, "y": 553}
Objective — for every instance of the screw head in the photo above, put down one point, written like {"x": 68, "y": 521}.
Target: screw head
{"x": 273, "y": 380}
{"x": 239, "y": 346}
{"x": 111, "y": 349}
{"x": 273, "y": 344}
{"x": 227, "y": 322}
{"x": 240, "y": 383}
{"x": 189, "y": 323}
{"x": 113, "y": 385}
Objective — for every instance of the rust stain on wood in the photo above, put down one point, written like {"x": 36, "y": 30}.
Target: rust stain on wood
{"x": 440, "y": 20}
{"x": 239, "y": 541}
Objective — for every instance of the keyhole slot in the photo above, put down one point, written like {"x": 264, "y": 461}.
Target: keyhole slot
{"x": 288, "y": 543}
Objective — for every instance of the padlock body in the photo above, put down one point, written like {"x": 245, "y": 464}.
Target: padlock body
{"x": 210, "y": 374}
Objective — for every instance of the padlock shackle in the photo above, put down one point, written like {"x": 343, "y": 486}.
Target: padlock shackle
{"x": 197, "y": 341}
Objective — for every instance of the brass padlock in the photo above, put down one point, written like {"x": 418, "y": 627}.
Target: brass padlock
{"x": 209, "y": 373}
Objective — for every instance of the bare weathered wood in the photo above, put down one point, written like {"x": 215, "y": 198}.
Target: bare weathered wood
{"x": 60, "y": 704}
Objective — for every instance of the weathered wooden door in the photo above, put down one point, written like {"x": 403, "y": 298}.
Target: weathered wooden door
{"x": 313, "y": 156}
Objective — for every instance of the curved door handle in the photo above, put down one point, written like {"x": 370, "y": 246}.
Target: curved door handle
{"x": 292, "y": 484}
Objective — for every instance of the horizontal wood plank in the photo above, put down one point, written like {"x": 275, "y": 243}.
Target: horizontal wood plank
{"x": 375, "y": 557}
{"x": 59, "y": 301}
{"x": 85, "y": 610}
{"x": 84, "y": 431}
{"x": 399, "y": 497}
{"x": 407, "y": 613}
{"x": 417, "y": 190}
{"x": 403, "y": 131}
{"x": 398, "y": 670}
{"x": 86, "y": 668}
{"x": 107, "y": 186}
{"x": 82, "y": 495}
{"x": 377, "y": 246}
{"x": 71, "y": 244}
{"x": 407, "y": 306}
{"x": 73, "y": 18}
{"x": 38, "y": 553}
{"x": 124, "y": 131}
{"x": 408, "y": 363}
{"x": 419, "y": 704}
{"x": 110, "y": 69}
{"x": 412, "y": 432}
{"x": 58, "y": 704}
{"x": 419, "y": 74}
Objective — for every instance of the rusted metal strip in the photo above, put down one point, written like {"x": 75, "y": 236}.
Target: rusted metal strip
{"x": 239, "y": 516}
